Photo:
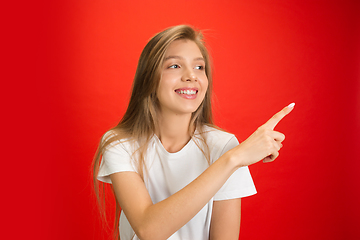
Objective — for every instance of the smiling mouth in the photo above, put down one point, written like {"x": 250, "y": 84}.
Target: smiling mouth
{"x": 187, "y": 92}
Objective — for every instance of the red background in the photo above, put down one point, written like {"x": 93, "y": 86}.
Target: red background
{"x": 68, "y": 71}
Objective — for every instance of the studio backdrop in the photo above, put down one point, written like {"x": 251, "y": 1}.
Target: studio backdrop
{"x": 266, "y": 54}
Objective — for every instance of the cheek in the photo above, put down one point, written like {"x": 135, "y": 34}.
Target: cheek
{"x": 205, "y": 84}
{"x": 163, "y": 90}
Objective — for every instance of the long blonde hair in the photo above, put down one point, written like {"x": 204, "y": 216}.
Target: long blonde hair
{"x": 139, "y": 122}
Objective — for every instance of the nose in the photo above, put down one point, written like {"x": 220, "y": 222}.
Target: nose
{"x": 188, "y": 76}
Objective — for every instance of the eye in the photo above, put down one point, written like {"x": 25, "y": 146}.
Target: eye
{"x": 200, "y": 67}
{"x": 174, "y": 66}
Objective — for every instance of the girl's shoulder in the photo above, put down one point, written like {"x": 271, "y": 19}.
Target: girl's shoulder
{"x": 115, "y": 138}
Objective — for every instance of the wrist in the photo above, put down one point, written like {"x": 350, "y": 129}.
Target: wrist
{"x": 232, "y": 161}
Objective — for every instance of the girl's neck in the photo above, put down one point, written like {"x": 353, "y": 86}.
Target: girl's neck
{"x": 173, "y": 131}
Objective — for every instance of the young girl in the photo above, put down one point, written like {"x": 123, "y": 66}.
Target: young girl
{"x": 174, "y": 174}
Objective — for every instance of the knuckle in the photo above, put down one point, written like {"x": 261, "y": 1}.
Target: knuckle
{"x": 269, "y": 148}
{"x": 268, "y": 139}
{"x": 276, "y": 116}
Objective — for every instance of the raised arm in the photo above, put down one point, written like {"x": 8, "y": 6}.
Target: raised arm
{"x": 161, "y": 220}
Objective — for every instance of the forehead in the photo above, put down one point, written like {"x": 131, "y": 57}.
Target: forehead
{"x": 183, "y": 47}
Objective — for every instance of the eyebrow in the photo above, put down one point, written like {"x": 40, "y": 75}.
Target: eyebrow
{"x": 181, "y": 58}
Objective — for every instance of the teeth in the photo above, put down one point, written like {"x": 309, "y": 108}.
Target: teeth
{"x": 188, "y": 92}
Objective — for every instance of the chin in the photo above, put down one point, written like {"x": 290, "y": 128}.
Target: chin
{"x": 191, "y": 110}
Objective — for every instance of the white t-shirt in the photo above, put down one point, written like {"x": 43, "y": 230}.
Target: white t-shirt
{"x": 169, "y": 172}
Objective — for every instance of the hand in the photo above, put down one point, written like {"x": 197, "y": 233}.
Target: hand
{"x": 264, "y": 144}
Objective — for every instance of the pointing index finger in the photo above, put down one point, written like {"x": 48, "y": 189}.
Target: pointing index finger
{"x": 272, "y": 122}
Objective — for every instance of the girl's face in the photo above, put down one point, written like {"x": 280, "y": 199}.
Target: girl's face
{"x": 183, "y": 82}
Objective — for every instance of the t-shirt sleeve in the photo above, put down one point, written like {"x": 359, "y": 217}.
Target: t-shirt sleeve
{"x": 240, "y": 184}
{"x": 115, "y": 159}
